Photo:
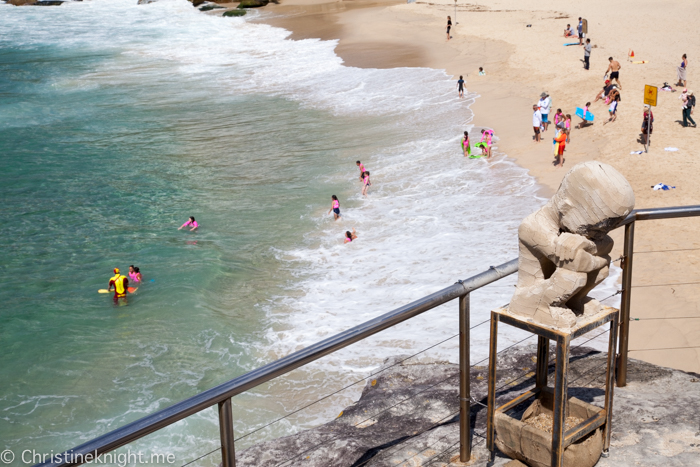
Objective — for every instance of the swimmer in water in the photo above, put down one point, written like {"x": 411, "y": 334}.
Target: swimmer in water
{"x": 367, "y": 183}
{"x": 362, "y": 169}
{"x": 335, "y": 207}
{"x": 190, "y": 222}
{"x": 121, "y": 287}
{"x": 135, "y": 275}
{"x": 350, "y": 236}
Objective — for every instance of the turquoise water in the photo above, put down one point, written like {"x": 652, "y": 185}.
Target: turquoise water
{"x": 119, "y": 121}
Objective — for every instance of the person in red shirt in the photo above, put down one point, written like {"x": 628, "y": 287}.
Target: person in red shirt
{"x": 121, "y": 287}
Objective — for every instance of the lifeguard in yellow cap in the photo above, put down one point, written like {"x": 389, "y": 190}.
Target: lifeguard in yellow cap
{"x": 121, "y": 284}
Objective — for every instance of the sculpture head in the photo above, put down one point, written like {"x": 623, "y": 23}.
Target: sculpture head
{"x": 593, "y": 199}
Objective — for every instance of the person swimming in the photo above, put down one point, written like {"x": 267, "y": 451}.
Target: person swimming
{"x": 135, "y": 275}
{"x": 367, "y": 183}
{"x": 350, "y": 236}
{"x": 335, "y": 207}
{"x": 190, "y": 222}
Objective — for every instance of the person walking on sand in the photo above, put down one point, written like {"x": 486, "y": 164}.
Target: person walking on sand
{"x": 449, "y": 26}
{"x": 362, "y": 169}
{"x": 545, "y": 103}
{"x": 350, "y": 236}
{"x": 614, "y": 100}
{"x": 688, "y": 105}
{"x": 614, "y": 70}
{"x": 366, "y": 183}
{"x": 683, "y": 72}
{"x": 460, "y": 86}
{"x": 536, "y": 122}
{"x": 584, "y": 122}
{"x": 335, "y": 207}
{"x": 587, "y": 55}
{"x": 647, "y": 124}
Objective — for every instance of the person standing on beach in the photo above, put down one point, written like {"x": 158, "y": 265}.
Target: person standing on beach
{"x": 536, "y": 121}
{"x": 580, "y": 31}
{"x": 688, "y": 105}
{"x": 614, "y": 99}
{"x": 647, "y": 123}
{"x": 335, "y": 207}
{"x": 614, "y": 70}
{"x": 587, "y": 55}
{"x": 683, "y": 71}
{"x": 545, "y": 103}
{"x": 466, "y": 147}
{"x": 362, "y": 169}
{"x": 449, "y": 26}
{"x": 460, "y": 86}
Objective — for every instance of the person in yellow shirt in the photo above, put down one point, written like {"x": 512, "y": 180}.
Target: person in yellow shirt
{"x": 121, "y": 287}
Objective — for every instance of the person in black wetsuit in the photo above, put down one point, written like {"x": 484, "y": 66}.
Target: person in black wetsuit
{"x": 449, "y": 26}
{"x": 460, "y": 86}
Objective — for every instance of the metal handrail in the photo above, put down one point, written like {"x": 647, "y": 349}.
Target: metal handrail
{"x": 222, "y": 393}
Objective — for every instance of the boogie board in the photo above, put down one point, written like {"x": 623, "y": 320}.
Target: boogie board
{"x": 130, "y": 289}
{"x": 570, "y": 43}
{"x": 589, "y": 115}
{"x": 640, "y": 62}
{"x": 474, "y": 156}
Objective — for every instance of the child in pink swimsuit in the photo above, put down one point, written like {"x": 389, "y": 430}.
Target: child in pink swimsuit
{"x": 190, "y": 222}
{"x": 362, "y": 169}
{"x": 367, "y": 183}
{"x": 335, "y": 207}
{"x": 350, "y": 236}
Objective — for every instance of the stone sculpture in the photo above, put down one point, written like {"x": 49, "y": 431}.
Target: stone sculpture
{"x": 565, "y": 246}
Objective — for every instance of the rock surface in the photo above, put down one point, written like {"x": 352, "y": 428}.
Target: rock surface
{"x": 253, "y": 3}
{"x": 409, "y": 416}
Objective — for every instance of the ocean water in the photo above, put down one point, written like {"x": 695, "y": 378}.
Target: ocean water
{"x": 118, "y": 121}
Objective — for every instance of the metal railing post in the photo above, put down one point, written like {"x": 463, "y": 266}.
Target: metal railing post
{"x": 464, "y": 382}
{"x": 228, "y": 451}
{"x": 625, "y": 305}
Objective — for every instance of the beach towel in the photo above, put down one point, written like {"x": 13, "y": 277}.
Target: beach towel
{"x": 636, "y": 152}
{"x": 682, "y": 73}
{"x": 671, "y": 149}
{"x": 661, "y": 186}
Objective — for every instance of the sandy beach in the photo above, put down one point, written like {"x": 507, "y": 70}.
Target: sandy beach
{"x": 522, "y": 61}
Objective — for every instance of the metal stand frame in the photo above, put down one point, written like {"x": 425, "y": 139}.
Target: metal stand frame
{"x": 560, "y": 438}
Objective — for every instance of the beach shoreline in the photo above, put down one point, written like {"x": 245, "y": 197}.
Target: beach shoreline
{"x": 522, "y": 61}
